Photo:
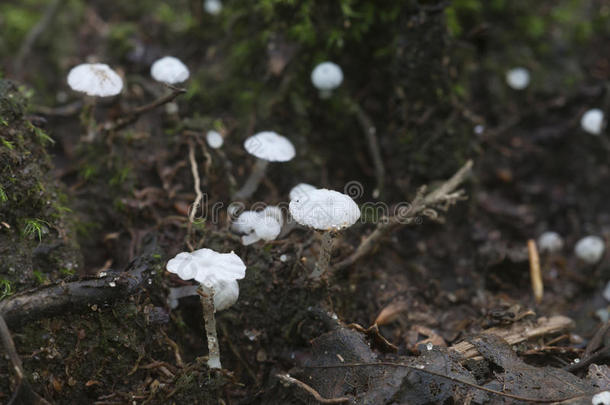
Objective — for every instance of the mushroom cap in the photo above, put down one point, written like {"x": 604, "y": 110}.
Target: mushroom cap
{"x": 214, "y": 139}
{"x": 592, "y": 121}
{"x": 245, "y": 222}
{"x": 270, "y": 146}
{"x": 550, "y": 242}
{"x": 213, "y": 7}
{"x": 95, "y": 79}
{"x": 590, "y": 249}
{"x": 325, "y": 210}
{"x": 518, "y": 78}
{"x": 300, "y": 190}
{"x": 257, "y": 225}
{"x": 169, "y": 70}
{"x": 275, "y": 213}
{"x": 327, "y": 76}
{"x": 207, "y": 267}
{"x": 601, "y": 398}
{"x": 268, "y": 228}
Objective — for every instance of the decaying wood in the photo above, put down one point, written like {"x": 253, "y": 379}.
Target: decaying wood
{"x": 518, "y": 332}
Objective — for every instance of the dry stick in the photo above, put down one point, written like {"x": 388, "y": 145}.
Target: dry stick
{"x": 453, "y": 379}
{"x": 199, "y": 195}
{"x": 370, "y": 132}
{"x": 422, "y": 203}
{"x": 34, "y": 34}
{"x": 535, "y": 275}
{"x": 131, "y": 116}
{"x": 293, "y": 381}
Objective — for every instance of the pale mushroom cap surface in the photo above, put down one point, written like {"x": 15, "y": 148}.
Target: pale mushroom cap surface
{"x": 226, "y": 293}
{"x": 324, "y": 209}
{"x": 550, "y": 242}
{"x": 327, "y": 76}
{"x": 601, "y": 398}
{"x": 268, "y": 228}
{"x": 274, "y": 212}
{"x": 592, "y": 121}
{"x": 270, "y": 146}
{"x": 207, "y": 267}
{"x": 245, "y": 222}
{"x": 95, "y": 79}
{"x": 590, "y": 249}
{"x": 214, "y": 139}
{"x": 301, "y": 190}
{"x": 169, "y": 70}
{"x": 257, "y": 225}
{"x": 213, "y": 7}
{"x": 518, "y": 78}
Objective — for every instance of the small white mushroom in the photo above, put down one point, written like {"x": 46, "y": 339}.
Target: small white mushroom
{"x": 590, "y": 249}
{"x": 95, "y": 79}
{"x": 601, "y": 398}
{"x": 328, "y": 211}
{"x": 217, "y": 273}
{"x": 592, "y": 121}
{"x": 550, "y": 242}
{"x": 267, "y": 146}
{"x": 265, "y": 225}
{"x": 169, "y": 70}
{"x": 213, "y": 7}
{"x": 214, "y": 139}
{"x": 326, "y": 77}
{"x": 300, "y": 191}
{"x": 518, "y": 78}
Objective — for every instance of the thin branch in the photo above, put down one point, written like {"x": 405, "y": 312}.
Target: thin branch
{"x": 293, "y": 381}
{"x": 198, "y": 193}
{"x": 443, "y": 196}
{"x": 453, "y": 379}
{"x": 132, "y": 116}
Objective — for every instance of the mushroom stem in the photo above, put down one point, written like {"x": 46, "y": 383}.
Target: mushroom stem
{"x": 207, "y": 303}
{"x": 325, "y": 94}
{"x": 323, "y": 262}
{"x": 88, "y": 118}
{"x": 258, "y": 172}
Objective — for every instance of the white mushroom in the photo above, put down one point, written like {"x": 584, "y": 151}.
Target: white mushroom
{"x": 213, "y": 7}
{"x": 300, "y": 190}
{"x": 518, "y": 78}
{"x": 590, "y": 249}
{"x": 169, "y": 70}
{"x": 254, "y": 226}
{"x": 592, "y": 121}
{"x": 267, "y": 147}
{"x": 601, "y": 398}
{"x": 326, "y": 77}
{"x": 328, "y": 211}
{"x": 217, "y": 273}
{"x": 95, "y": 79}
{"x": 214, "y": 139}
{"x": 550, "y": 242}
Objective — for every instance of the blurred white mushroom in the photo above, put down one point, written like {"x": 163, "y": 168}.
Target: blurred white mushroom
{"x": 214, "y": 139}
{"x": 265, "y": 225}
{"x": 590, "y": 249}
{"x": 169, "y": 70}
{"x": 592, "y": 121}
{"x": 550, "y": 242}
{"x": 217, "y": 273}
{"x": 95, "y": 79}
{"x": 267, "y": 146}
{"x": 326, "y": 77}
{"x": 328, "y": 211}
{"x": 213, "y": 7}
{"x": 300, "y": 191}
{"x": 518, "y": 78}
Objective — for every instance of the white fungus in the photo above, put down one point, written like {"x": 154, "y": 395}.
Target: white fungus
{"x": 590, "y": 249}
{"x": 324, "y": 209}
{"x": 214, "y": 139}
{"x": 518, "y": 78}
{"x": 601, "y": 398}
{"x": 550, "y": 242}
{"x": 257, "y": 225}
{"x": 169, "y": 70}
{"x": 300, "y": 191}
{"x": 213, "y": 7}
{"x": 95, "y": 79}
{"x": 270, "y": 146}
{"x": 592, "y": 121}
{"x": 326, "y": 77}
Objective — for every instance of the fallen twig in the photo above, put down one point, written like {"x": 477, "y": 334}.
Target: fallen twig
{"x": 423, "y": 204}
{"x": 535, "y": 275}
{"x": 198, "y": 198}
{"x": 293, "y": 381}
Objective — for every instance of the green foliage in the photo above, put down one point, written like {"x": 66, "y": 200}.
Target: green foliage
{"x": 6, "y": 289}
{"x": 35, "y": 227}
{"x": 40, "y": 277}
{"x": 3, "y": 196}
